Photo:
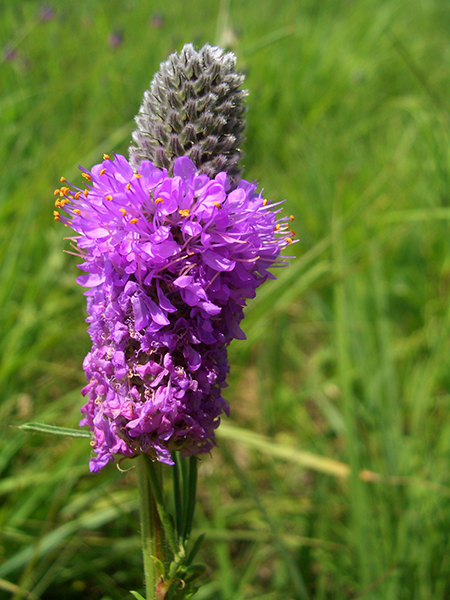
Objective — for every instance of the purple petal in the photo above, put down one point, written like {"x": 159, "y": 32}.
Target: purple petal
{"x": 141, "y": 312}
{"x": 217, "y": 261}
{"x": 184, "y": 168}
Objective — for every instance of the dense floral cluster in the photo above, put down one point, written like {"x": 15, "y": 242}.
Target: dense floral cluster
{"x": 169, "y": 263}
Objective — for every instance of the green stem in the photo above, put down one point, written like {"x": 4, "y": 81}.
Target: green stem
{"x": 152, "y": 533}
{"x": 152, "y": 473}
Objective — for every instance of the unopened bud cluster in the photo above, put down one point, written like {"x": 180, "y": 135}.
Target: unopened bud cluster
{"x": 194, "y": 108}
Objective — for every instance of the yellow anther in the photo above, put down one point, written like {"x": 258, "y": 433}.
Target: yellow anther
{"x": 85, "y": 193}
{"x": 55, "y": 213}
{"x": 58, "y": 204}
{"x": 134, "y": 220}
{"x": 109, "y": 198}
{"x": 77, "y": 195}
{"x": 159, "y": 201}
{"x": 292, "y": 233}
{"x": 291, "y": 218}
{"x": 123, "y": 211}
{"x": 277, "y": 227}
{"x": 217, "y": 204}
{"x": 184, "y": 212}
{"x": 106, "y": 156}
{"x": 62, "y": 179}
{"x": 288, "y": 240}
{"x": 265, "y": 202}
{"x": 65, "y": 190}
{"x": 86, "y": 176}
{"x": 77, "y": 211}
{"x": 103, "y": 171}
{"x": 128, "y": 186}
{"x": 137, "y": 175}
{"x": 56, "y": 192}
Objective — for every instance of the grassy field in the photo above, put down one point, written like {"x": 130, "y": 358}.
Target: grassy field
{"x": 331, "y": 480}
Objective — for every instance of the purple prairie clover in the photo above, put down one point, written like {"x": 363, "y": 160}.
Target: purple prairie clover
{"x": 169, "y": 263}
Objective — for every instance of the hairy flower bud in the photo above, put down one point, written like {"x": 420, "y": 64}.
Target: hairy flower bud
{"x": 194, "y": 108}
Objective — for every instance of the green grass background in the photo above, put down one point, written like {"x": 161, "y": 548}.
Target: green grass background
{"x": 331, "y": 480}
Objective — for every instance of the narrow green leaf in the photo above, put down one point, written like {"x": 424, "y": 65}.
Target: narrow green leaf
{"x": 195, "y": 549}
{"x": 54, "y": 430}
{"x": 136, "y": 595}
{"x": 177, "y": 494}
{"x": 192, "y": 494}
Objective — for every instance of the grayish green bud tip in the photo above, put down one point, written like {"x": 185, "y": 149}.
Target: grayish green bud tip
{"x": 194, "y": 108}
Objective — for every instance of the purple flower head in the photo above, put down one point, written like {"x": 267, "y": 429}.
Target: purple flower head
{"x": 169, "y": 263}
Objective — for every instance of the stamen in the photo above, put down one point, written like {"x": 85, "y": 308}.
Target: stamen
{"x": 106, "y": 156}
{"x": 139, "y": 267}
{"x": 62, "y": 179}
{"x": 77, "y": 195}
{"x": 159, "y": 201}
{"x": 212, "y": 280}
{"x": 137, "y": 175}
{"x": 288, "y": 240}
{"x": 109, "y": 198}
{"x": 77, "y": 211}
{"x": 277, "y": 227}
{"x": 134, "y": 220}
{"x": 103, "y": 171}
{"x": 79, "y": 255}
{"x": 217, "y": 204}
{"x": 56, "y": 192}
{"x": 265, "y": 202}
{"x": 128, "y": 186}
{"x": 123, "y": 211}
{"x": 86, "y": 176}
{"x": 246, "y": 260}
{"x": 64, "y": 191}
{"x": 291, "y": 218}
{"x": 86, "y": 193}
{"x": 184, "y": 212}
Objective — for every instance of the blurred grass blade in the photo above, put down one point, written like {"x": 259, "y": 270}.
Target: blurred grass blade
{"x": 301, "y": 592}
{"x": 283, "y": 451}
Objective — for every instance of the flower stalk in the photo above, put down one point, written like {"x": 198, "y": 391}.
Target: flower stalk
{"x": 168, "y": 569}
{"x": 173, "y": 243}
{"x": 152, "y": 544}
